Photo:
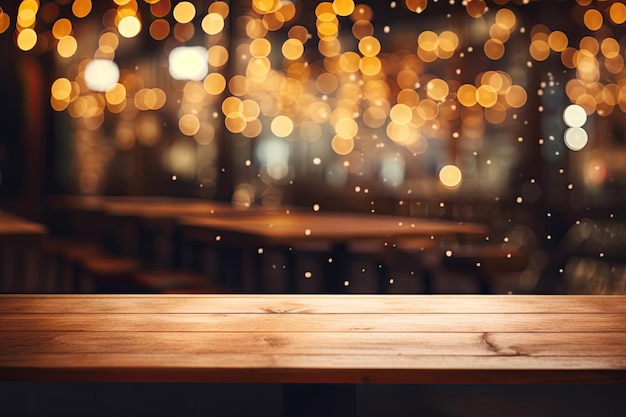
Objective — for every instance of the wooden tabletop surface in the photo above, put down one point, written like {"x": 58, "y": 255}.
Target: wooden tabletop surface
{"x": 14, "y": 225}
{"x": 314, "y": 338}
{"x": 282, "y": 225}
{"x": 287, "y": 227}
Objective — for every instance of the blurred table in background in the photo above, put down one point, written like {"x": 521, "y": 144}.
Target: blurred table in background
{"x": 292, "y": 229}
{"x": 19, "y": 240}
{"x": 234, "y": 244}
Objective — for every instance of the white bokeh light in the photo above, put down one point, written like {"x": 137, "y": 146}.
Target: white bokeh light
{"x": 100, "y": 74}
{"x": 574, "y": 116}
{"x": 274, "y": 154}
{"x": 188, "y": 63}
{"x": 575, "y": 138}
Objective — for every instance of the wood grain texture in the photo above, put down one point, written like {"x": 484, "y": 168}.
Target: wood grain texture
{"x": 314, "y": 338}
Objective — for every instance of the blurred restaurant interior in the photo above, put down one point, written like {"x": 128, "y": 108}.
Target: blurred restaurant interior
{"x": 270, "y": 146}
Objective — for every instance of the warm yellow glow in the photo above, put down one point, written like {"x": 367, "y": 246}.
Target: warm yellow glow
{"x": 408, "y": 97}
{"x": 239, "y": 85}
{"x": 252, "y": 129}
{"x": 282, "y": 126}
{"x": 194, "y": 92}
{"x": 448, "y": 41}
{"x": 61, "y": 89}
{"x": 407, "y": 78}
{"x": 292, "y": 49}
{"x": 450, "y": 176}
{"x": 437, "y": 89}
{"x": 189, "y": 124}
{"x": 212, "y": 24}
{"x": 617, "y": 13}
{"x": 428, "y": 40}
{"x": 215, "y": 83}
{"x": 286, "y": 12}
{"x": 67, "y": 46}
{"x": 346, "y": 128}
{"x": 81, "y": 8}
{"x": 325, "y": 12}
{"x": 259, "y": 67}
{"x": 516, "y": 96}
{"x": 427, "y": 109}
{"x": 350, "y": 61}
{"x": 235, "y": 122}
{"x": 250, "y": 109}
{"x": 370, "y": 65}
{"x": 506, "y": 18}
{"x": 589, "y": 46}
{"x": 362, "y": 12}
{"x": 115, "y": 94}
{"x": 26, "y": 39}
{"x": 255, "y": 29}
{"x": 486, "y": 96}
{"x": 362, "y": 28}
{"x": 129, "y": 26}
{"x": 401, "y": 114}
{"x": 343, "y": 7}
{"x": 329, "y": 48}
{"x": 260, "y": 47}
{"x": 5, "y": 21}
{"x": 232, "y": 106}
{"x": 327, "y": 30}
{"x": 593, "y": 19}
{"x": 476, "y": 8}
{"x": 184, "y": 12}
{"x": 610, "y": 48}
{"x": 539, "y": 49}
{"x": 342, "y": 146}
{"x": 369, "y": 46}
{"x": 217, "y": 56}
{"x": 300, "y": 33}
{"x": 149, "y": 99}
{"x": 466, "y": 95}
{"x": 399, "y": 133}
{"x": 416, "y": 6}
{"x": 220, "y": 7}
{"x": 26, "y": 17}
{"x": 499, "y": 32}
{"x": 272, "y": 21}
{"x": 494, "y": 49}
{"x": 326, "y": 83}
{"x": 61, "y": 28}
{"x": 266, "y": 6}
{"x": 558, "y": 41}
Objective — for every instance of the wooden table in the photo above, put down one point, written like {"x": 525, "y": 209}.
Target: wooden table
{"x": 332, "y": 341}
{"x": 160, "y": 231}
{"x": 18, "y": 240}
{"x": 290, "y": 228}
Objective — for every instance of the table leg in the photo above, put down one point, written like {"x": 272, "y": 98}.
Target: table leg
{"x": 314, "y": 400}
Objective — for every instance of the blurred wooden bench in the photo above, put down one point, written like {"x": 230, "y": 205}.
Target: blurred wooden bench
{"x": 334, "y": 341}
